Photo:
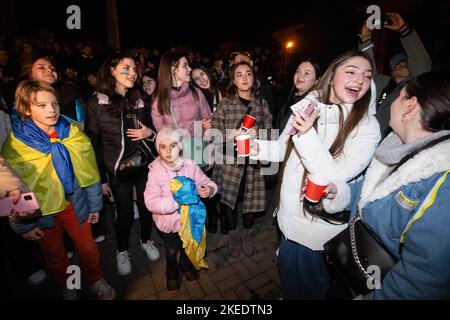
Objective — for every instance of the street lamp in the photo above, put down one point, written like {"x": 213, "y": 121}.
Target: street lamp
{"x": 289, "y": 45}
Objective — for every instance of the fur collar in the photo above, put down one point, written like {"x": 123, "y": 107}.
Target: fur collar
{"x": 422, "y": 166}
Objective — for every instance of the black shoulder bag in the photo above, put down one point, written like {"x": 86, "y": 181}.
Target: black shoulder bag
{"x": 135, "y": 164}
{"x": 353, "y": 251}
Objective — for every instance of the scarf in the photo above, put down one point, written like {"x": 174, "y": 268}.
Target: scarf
{"x": 192, "y": 219}
{"x": 50, "y": 166}
{"x": 392, "y": 149}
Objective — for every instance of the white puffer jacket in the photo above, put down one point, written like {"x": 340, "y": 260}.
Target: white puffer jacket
{"x": 314, "y": 155}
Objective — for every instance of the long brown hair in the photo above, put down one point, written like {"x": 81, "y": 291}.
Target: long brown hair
{"x": 168, "y": 60}
{"x": 357, "y": 113}
{"x": 232, "y": 88}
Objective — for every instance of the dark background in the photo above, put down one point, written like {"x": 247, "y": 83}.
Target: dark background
{"x": 329, "y": 27}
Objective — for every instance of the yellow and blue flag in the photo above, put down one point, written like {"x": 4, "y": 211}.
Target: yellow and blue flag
{"x": 192, "y": 219}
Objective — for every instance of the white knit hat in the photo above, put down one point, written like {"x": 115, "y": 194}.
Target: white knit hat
{"x": 168, "y": 133}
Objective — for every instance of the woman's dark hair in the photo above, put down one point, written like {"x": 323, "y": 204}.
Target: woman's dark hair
{"x": 215, "y": 90}
{"x": 106, "y": 84}
{"x": 232, "y": 89}
{"x": 168, "y": 60}
{"x": 317, "y": 74}
{"x": 432, "y": 91}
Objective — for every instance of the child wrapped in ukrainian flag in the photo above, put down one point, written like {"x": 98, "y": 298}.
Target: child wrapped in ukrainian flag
{"x": 174, "y": 187}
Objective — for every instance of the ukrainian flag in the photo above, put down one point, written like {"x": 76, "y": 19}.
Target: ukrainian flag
{"x": 192, "y": 220}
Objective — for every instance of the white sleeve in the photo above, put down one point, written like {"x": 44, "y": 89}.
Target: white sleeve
{"x": 273, "y": 150}
{"x": 356, "y": 155}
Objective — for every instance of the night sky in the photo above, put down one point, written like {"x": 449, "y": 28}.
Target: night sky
{"x": 188, "y": 22}
{"x": 204, "y": 24}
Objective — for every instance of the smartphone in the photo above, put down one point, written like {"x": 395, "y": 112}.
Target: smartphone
{"x": 309, "y": 109}
{"x": 27, "y": 203}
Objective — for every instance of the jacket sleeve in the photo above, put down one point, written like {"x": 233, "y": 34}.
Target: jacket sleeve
{"x": 357, "y": 152}
{"x": 419, "y": 60}
{"x": 94, "y": 197}
{"x": 201, "y": 179}
{"x": 423, "y": 271}
{"x": 367, "y": 47}
{"x": 21, "y": 226}
{"x": 157, "y": 196}
{"x": 347, "y": 197}
{"x": 157, "y": 118}
{"x": 267, "y": 115}
{"x": 94, "y": 133}
{"x": 218, "y": 119}
{"x": 205, "y": 110}
{"x": 10, "y": 180}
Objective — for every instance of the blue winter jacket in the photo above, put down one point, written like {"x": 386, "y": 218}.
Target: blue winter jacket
{"x": 389, "y": 203}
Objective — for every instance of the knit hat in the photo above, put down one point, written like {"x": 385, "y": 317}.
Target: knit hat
{"x": 396, "y": 59}
{"x": 168, "y": 133}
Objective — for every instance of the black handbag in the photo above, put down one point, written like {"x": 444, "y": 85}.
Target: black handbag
{"x": 353, "y": 251}
{"x": 133, "y": 165}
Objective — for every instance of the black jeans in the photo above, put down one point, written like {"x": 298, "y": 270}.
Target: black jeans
{"x": 173, "y": 246}
{"x": 123, "y": 197}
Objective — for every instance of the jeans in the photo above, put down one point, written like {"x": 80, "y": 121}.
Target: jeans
{"x": 303, "y": 272}
{"x": 123, "y": 197}
{"x": 85, "y": 246}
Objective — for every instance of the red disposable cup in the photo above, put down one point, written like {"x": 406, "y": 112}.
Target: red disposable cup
{"x": 243, "y": 145}
{"x": 249, "y": 122}
{"x": 315, "y": 187}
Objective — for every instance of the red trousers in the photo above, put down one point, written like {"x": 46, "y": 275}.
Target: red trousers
{"x": 55, "y": 254}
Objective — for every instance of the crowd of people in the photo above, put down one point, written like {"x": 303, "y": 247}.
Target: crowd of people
{"x": 78, "y": 130}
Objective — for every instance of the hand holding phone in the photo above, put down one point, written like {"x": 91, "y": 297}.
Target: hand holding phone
{"x": 26, "y": 204}
{"x": 308, "y": 110}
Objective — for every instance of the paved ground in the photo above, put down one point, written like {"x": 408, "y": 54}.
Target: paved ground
{"x": 245, "y": 278}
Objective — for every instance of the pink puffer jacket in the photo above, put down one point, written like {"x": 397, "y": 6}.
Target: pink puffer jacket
{"x": 157, "y": 195}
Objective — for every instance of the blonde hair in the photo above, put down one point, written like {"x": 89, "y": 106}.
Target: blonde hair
{"x": 26, "y": 95}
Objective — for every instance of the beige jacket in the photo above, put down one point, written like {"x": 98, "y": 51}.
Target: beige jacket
{"x": 9, "y": 179}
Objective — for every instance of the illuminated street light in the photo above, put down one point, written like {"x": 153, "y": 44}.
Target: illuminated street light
{"x": 289, "y": 45}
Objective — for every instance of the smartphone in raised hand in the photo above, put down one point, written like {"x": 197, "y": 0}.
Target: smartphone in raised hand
{"x": 26, "y": 203}
{"x": 308, "y": 109}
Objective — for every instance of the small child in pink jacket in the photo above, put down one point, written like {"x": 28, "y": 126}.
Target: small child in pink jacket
{"x": 160, "y": 202}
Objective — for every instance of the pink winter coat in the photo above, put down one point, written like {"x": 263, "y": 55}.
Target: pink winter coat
{"x": 157, "y": 195}
{"x": 186, "y": 109}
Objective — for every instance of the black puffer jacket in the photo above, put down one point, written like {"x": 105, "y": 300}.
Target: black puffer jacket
{"x": 106, "y": 130}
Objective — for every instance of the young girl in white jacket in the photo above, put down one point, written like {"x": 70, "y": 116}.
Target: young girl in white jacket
{"x": 337, "y": 140}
